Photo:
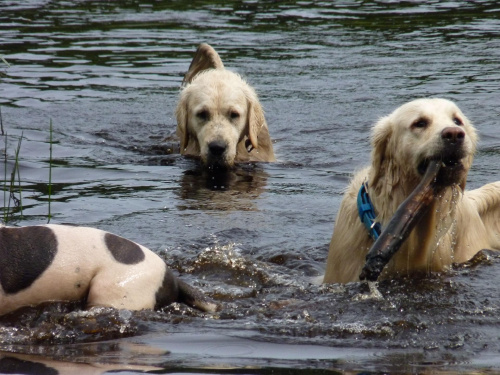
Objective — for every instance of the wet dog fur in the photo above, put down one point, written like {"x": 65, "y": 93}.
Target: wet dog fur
{"x": 219, "y": 116}
{"x": 459, "y": 224}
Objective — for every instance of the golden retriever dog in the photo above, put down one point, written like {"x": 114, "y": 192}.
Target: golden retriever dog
{"x": 219, "y": 116}
{"x": 458, "y": 224}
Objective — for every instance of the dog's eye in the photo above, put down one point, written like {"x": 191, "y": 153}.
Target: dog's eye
{"x": 203, "y": 115}
{"x": 234, "y": 115}
{"x": 457, "y": 121}
{"x": 420, "y": 123}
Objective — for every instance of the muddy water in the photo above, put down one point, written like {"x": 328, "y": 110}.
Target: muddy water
{"x": 107, "y": 75}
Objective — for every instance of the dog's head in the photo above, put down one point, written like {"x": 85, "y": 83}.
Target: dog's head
{"x": 216, "y": 111}
{"x": 420, "y": 131}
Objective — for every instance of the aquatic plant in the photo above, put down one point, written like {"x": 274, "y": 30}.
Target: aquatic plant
{"x": 8, "y": 66}
{"x": 13, "y": 186}
{"x": 5, "y": 61}
{"x": 49, "y": 215}
{"x": 10, "y": 185}
{"x": 1, "y": 122}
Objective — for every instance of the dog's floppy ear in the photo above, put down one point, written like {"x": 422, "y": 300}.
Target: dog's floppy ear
{"x": 256, "y": 120}
{"x": 182, "y": 121}
{"x": 381, "y": 136}
{"x": 205, "y": 58}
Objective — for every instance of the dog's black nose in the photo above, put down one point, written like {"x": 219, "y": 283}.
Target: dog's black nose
{"x": 453, "y": 134}
{"x": 217, "y": 148}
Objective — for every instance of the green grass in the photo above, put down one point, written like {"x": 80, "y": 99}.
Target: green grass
{"x": 5, "y": 61}
{"x": 10, "y": 184}
{"x": 1, "y": 122}
{"x": 5, "y": 179}
{"x": 49, "y": 216}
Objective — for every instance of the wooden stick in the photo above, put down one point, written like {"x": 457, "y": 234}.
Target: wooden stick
{"x": 404, "y": 220}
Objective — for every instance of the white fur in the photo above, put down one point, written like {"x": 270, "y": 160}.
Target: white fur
{"x": 218, "y": 105}
{"x": 459, "y": 224}
{"x": 83, "y": 260}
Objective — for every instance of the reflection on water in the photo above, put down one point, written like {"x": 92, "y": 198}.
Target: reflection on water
{"x": 281, "y": 320}
{"x": 108, "y": 75}
{"x": 222, "y": 190}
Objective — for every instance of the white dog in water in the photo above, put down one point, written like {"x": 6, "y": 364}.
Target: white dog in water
{"x": 459, "y": 223}
{"x": 65, "y": 263}
{"x": 219, "y": 116}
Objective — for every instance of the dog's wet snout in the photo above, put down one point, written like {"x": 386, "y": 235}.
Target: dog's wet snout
{"x": 217, "y": 148}
{"x": 453, "y": 135}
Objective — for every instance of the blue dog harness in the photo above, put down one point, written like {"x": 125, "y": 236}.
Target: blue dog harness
{"x": 367, "y": 213}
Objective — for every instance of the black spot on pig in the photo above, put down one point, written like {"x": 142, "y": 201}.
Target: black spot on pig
{"x": 25, "y": 253}
{"x": 123, "y": 250}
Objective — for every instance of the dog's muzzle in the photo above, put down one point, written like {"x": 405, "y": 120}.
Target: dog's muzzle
{"x": 217, "y": 148}
{"x": 217, "y": 151}
{"x": 452, "y": 151}
{"x": 453, "y": 145}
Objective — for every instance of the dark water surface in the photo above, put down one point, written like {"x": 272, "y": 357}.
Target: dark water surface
{"x": 107, "y": 74}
